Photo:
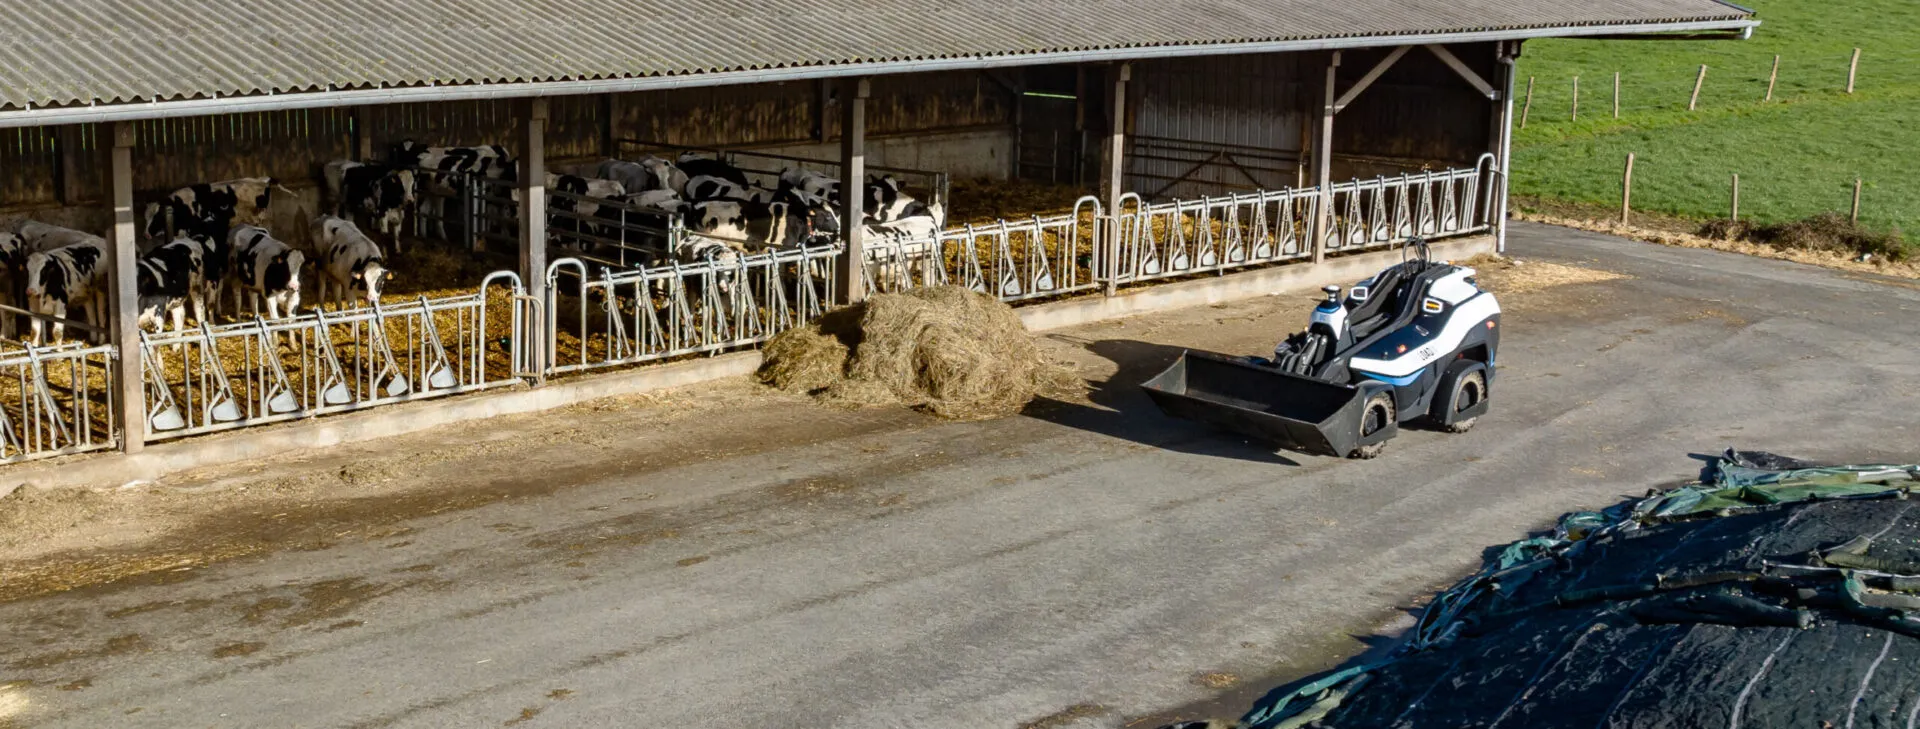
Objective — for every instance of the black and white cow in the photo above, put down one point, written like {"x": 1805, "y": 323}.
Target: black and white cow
{"x": 573, "y": 203}
{"x": 265, "y": 267}
{"x": 489, "y": 162}
{"x": 711, "y": 179}
{"x": 18, "y": 241}
{"x": 210, "y": 208}
{"x": 69, "y": 276}
{"x": 349, "y": 262}
{"x": 651, "y": 173}
{"x": 752, "y": 226}
{"x": 384, "y": 194}
{"x": 169, "y": 278}
{"x": 887, "y": 201}
{"x": 811, "y": 184}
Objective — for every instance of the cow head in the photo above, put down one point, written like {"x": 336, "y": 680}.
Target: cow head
{"x": 10, "y": 249}
{"x": 283, "y": 271}
{"x": 156, "y": 218}
{"x": 663, "y": 175}
{"x": 371, "y": 279}
{"x": 46, "y": 280}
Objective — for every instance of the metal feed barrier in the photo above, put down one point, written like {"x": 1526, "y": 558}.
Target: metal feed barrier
{"x": 764, "y": 168}
{"x": 1387, "y": 210}
{"x": 58, "y": 400}
{"x": 612, "y": 318}
{"x": 235, "y": 375}
{"x": 616, "y": 303}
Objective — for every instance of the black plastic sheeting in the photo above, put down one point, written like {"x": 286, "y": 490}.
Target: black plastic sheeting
{"x": 1672, "y": 624}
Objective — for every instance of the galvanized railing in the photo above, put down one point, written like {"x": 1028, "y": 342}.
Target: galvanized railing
{"x": 603, "y": 318}
{"x": 236, "y": 375}
{"x": 764, "y": 168}
{"x": 1186, "y": 237}
{"x": 57, "y": 401}
{"x": 1388, "y": 210}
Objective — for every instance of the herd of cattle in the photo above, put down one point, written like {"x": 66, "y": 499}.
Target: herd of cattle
{"x": 211, "y": 238}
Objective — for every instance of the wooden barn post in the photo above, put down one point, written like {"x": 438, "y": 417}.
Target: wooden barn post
{"x": 533, "y": 206}
{"x": 124, "y": 296}
{"x": 1323, "y": 159}
{"x": 362, "y": 136}
{"x": 1113, "y": 174}
{"x": 851, "y": 279}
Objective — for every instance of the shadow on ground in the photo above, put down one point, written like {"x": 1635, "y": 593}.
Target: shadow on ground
{"x": 1120, "y": 409}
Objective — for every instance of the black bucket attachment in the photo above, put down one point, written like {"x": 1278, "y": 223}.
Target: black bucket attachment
{"x": 1298, "y": 413}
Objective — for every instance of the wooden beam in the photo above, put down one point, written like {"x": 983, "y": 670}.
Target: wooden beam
{"x": 123, "y": 293}
{"x": 853, "y": 190}
{"x": 532, "y": 186}
{"x": 1473, "y": 79}
{"x": 1323, "y": 159}
{"x": 1113, "y": 173}
{"x": 1373, "y": 74}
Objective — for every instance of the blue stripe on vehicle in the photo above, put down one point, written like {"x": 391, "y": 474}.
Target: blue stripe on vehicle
{"x": 1397, "y": 381}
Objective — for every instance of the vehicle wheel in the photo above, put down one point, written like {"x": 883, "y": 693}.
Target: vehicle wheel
{"x": 1377, "y": 414}
{"x": 1468, "y": 391}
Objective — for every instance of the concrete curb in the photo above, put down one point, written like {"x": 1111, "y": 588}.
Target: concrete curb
{"x": 114, "y": 469}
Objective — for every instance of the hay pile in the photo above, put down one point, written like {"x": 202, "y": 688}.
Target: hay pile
{"x": 945, "y": 350}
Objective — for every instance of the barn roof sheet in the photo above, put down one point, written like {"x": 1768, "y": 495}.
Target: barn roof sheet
{"x": 67, "y": 52}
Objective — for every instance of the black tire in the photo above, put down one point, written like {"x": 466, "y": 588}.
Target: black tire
{"x": 1376, "y": 414}
{"x": 1468, "y": 391}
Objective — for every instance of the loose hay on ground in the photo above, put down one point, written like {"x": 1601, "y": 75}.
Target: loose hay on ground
{"x": 1511, "y": 276}
{"x": 945, "y": 350}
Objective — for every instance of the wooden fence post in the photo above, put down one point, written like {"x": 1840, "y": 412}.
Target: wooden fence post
{"x": 1697, "y": 82}
{"x": 1773, "y": 77}
{"x": 1856, "y": 201}
{"x": 1574, "y": 113}
{"x": 1626, "y": 191}
{"x": 1528, "y": 106}
{"x": 1616, "y": 94}
{"x": 1851, "y": 68}
{"x": 1735, "y": 216}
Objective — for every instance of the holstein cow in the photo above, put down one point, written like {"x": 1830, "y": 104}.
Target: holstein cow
{"x": 887, "y": 201}
{"x": 209, "y": 208}
{"x": 648, "y": 224}
{"x": 572, "y": 202}
{"x": 490, "y": 162}
{"x": 751, "y": 226}
{"x": 266, "y": 268}
{"x": 385, "y": 194}
{"x": 651, "y": 173}
{"x": 22, "y": 239}
{"x": 349, "y": 261}
{"x": 811, "y": 184}
{"x": 170, "y": 277}
{"x": 65, "y": 277}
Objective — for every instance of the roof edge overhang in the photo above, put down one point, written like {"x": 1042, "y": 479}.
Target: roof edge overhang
{"x": 135, "y": 111}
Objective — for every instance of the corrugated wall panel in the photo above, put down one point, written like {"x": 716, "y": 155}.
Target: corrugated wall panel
{"x": 1212, "y": 125}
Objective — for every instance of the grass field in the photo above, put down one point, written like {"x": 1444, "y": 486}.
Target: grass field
{"x": 1797, "y": 155}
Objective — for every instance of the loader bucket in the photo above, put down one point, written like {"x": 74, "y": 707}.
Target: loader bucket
{"x": 1295, "y": 412}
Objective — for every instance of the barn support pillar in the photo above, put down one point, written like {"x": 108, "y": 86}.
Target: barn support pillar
{"x": 852, "y": 285}
{"x": 1323, "y": 160}
{"x": 533, "y": 212}
{"x": 362, "y": 135}
{"x": 1502, "y": 143}
{"x": 124, "y": 296}
{"x": 1113, "y": 173}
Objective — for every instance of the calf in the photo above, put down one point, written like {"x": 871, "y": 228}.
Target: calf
{"x": 266, "y": 268}
{"x": 170, "y": 277}
{"x": 18, "y": 241}
{"x": 349, "y": 260}
{"x": 651, "y": 173}
{"x": 385, "y": 194}
{"x": 65, "y": 277}
{"x": 205, "y": 207}
{"x": 750, "y": 225}
{"x": 489, "y": 162}
{"x": 694, "y": 165}
{"x": 812, "y": 184}
{"x": 573, "y": 202}
{"x": 887, "y": 201}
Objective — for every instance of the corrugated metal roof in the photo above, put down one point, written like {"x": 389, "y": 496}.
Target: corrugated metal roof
{"x": 63, "y": 52}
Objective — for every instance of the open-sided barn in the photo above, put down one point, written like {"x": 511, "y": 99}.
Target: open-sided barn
{"x": 1207, "y": 136}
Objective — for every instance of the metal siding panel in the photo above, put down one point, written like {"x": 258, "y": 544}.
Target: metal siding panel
{"x": 81, "y": 51}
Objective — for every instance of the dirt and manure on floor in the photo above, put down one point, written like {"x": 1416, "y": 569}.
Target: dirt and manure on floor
{"x": 944, "y": 350}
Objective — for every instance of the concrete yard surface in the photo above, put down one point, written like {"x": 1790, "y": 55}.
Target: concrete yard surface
{"x": 724, "y": 556}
